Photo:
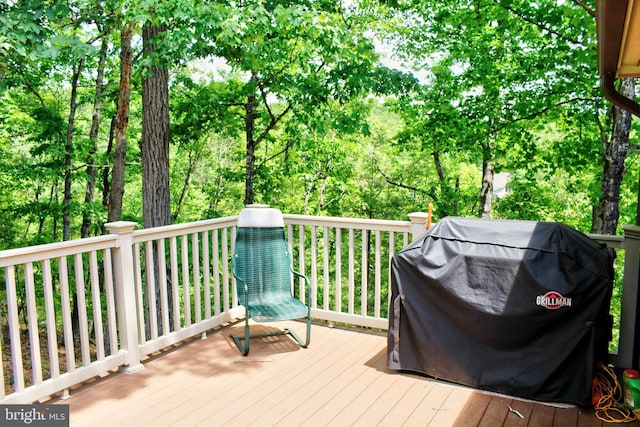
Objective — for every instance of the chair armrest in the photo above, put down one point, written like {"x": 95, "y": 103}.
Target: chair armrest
{"x": 244, "y": 285}
{"x": 298, "y": 274}
{"x": 308, "y": 285}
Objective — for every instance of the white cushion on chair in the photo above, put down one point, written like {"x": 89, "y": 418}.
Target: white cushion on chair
{"x": 260, "y": 216}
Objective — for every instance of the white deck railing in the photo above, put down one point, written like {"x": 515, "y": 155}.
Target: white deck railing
{"x": 76, "y": 309}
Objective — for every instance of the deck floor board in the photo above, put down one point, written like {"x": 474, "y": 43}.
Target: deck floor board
{"x": 340, "y": 380}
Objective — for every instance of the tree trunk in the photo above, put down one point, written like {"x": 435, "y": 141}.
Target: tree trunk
{"x": 616, "y": 147}
{"x": 66, "y": 202}
{"x": 438, "y": 164}
{"x": 93, "y": 137}
{"x": 456, "y": 204}
{"x": 106, "y": 172}
{"x": 194, "y": 157}
{"x": 68, "y": 148}
{"x": 53, "y": 200}
{"x": 249, "y": 121}
{"x": 486, "y": 194}
{"x": 251, "y": 139}
{"x": 155, "y": 139}
{"x": 448, "y": 205}
{"x": 154, "y": 148}
{"x": 122, "y": 120}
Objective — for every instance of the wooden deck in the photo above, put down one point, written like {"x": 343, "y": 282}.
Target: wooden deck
{"x": 340, "y": 380}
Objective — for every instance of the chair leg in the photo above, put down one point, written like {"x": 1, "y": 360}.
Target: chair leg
{"x": 308, "y": 332}
{"x": 244, "y": 349}
{"x": 295, "y": 336}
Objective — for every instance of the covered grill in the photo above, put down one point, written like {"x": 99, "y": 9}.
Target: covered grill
{"x": 515, "y": 307}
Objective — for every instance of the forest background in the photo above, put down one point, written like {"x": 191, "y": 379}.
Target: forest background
{"x": 173, "y": 111}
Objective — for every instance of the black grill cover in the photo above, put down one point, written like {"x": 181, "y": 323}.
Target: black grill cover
{"x": 514, "y": 307}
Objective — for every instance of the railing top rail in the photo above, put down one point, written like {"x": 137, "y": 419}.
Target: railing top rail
{"x": 71, "y": 247}
{"x": 55, "y": 250}
{"x": 181, "y": 229}
{"x": 58, "y": 249}
{"x": 341, "y": 222}
{"x": 612, "y": 241}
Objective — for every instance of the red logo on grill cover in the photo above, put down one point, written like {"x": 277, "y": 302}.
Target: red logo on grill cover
{"x": 553, "y": 300}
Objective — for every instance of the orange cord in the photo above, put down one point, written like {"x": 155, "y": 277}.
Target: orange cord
{"x": 608, "y": 408}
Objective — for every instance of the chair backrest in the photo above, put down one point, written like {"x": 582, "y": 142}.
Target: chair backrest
{"x": 260, "y": 216}
{"x": 261, "y": 256}
{"x": 261, "y": 260}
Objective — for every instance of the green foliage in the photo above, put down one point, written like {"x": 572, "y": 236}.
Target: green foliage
{"x": 206, "y": 149}
{"x": 497, "y": 76}
{"x": 508, "y": 82}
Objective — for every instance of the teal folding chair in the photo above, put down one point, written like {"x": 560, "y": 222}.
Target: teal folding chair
{"x": 264, "y": 274}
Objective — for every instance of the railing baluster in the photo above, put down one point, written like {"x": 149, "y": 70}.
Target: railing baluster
{"x": 325, "y": 268}
{"x": 175, "y": 292}
{"x": 111, "y": 305}
{"x": 230, "y": 243}
{"x": 290, "y": 246}
{"x": 392, "y": 251}
{"x": 97, "y": 305}
{"x": 150, "y": 283}
{"x": 207, "y": 274}
{"x": 216, "y": 275}
{"x": 14, "y": 330}
{"x": 2, "y": 381}
{"x": 377, "y": 272}
{"x": 351, "y": 271}
{"x": 50, "y": 316}
{"x": 225, "y": 271}
{"x": 162, "y": 282}
{"x": 364, "y": 273}
{"x": 140, "y": 311}
{"x": 67, "y": 324}
{"x": 195, "y": 256}
{"x": 82, "y": 310}
{"x": 338, "y": 307}
{"x": 314, "y": 269}
{"x": 186, "y": 286}
{"x": 290, "y": 238}
{"x": 32, "y": 319}
{"x": 301, "y": 263}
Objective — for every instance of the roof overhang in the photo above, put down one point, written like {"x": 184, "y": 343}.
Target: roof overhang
{"x": 618, "y": 27}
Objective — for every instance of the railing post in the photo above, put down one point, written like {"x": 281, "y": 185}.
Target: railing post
{"x": 418, "y": 223}
{"x": 628, "y": 347}
{"x": 125, "y": 293}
